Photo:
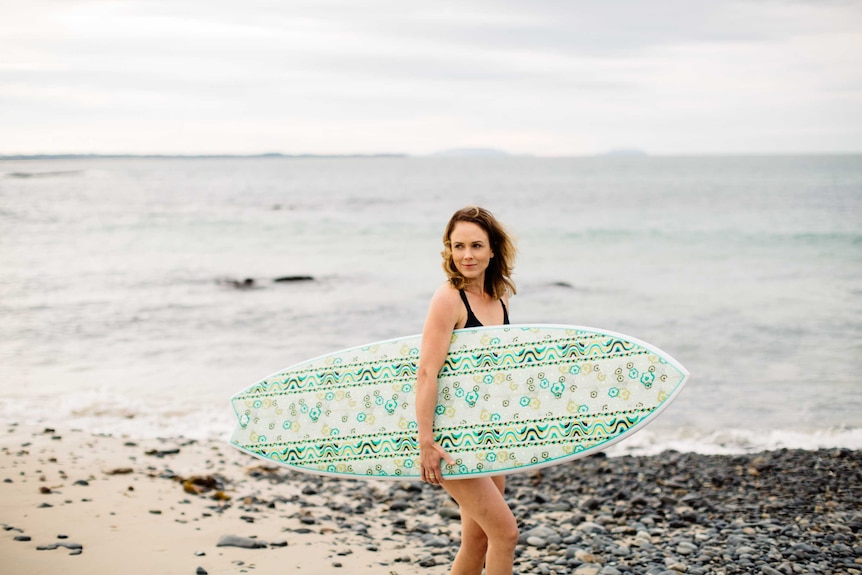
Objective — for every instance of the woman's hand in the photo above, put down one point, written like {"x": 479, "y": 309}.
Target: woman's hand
{"x": 430, "y": 455}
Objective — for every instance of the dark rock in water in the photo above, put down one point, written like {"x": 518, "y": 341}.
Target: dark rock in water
{"x": 243, "y": 542}
{"x": 562, "y": 284}
{"x": 22, "y": 538}
{"x": 278, "y": 544}
{"x": 294, "y": 279}
{"x": 247, "y": 283}
{"x": 200, "y": 571}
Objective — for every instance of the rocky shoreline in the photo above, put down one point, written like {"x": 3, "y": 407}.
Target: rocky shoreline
{"x": 82, "y": 503}
{"x": 787, "y": 512}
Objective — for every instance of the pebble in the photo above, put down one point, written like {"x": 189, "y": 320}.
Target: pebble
{"x": 237, "y": 541}
{"x": 52, "y": 546}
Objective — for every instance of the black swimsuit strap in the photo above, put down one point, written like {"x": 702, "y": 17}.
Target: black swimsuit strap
{"x": 472, "y": 320}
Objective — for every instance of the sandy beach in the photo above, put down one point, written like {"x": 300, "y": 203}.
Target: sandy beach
{"x": 77, "y": 503}
{"x": 163, "y": 506}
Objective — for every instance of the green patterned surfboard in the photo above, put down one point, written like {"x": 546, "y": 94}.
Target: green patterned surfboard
{"x": 510, "y": 398}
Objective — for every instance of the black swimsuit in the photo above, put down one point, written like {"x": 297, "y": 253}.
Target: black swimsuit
{"x": 472, "y": 320}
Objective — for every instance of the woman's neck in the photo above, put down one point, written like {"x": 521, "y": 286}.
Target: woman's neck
{"x": 476, "y": 288}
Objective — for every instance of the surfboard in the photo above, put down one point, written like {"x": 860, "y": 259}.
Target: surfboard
{"x": 510, "y": 398}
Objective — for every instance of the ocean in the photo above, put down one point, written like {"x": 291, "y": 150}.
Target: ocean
{"x": 118, "y": 313}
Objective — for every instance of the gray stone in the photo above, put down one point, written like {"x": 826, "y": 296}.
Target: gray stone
{"x": 539, "y": 531}
{"x": 591, "y": 527}
{"x": 52, "y": 546}
{"x": 436, "y": 541}
{"x": 243, "y": 542}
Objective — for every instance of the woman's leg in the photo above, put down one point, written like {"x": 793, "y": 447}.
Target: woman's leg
{"x": 489, "y": 531}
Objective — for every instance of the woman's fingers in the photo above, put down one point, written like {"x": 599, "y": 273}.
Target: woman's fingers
{"x": 431, "y": 472}
{"x": 444, "y": 455}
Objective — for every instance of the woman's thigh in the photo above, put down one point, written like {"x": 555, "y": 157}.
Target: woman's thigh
{"x": 483, "y": 505}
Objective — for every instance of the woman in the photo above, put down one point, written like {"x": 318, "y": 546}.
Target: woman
{"x": 477, "y": 258}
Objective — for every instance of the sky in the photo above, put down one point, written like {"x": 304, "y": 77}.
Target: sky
{"x": 540, "y": 77}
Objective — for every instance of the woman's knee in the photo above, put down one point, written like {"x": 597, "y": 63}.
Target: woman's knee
{"x": 509, "y": 535}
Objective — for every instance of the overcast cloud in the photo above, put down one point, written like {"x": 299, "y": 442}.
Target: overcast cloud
{"x": 531, "y": 77}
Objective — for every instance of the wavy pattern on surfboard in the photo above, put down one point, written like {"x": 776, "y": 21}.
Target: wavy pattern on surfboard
{"x": 491, "y": 356}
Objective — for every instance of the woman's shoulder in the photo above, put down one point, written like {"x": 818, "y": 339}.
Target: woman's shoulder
{"x": 446, "y": 308}
{"x": 446, "y": 293}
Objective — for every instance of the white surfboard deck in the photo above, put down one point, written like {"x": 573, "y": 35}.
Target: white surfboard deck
{"x": 510, "y": 398}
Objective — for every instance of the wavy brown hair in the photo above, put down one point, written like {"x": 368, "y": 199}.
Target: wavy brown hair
{"x": 498, "y": 281}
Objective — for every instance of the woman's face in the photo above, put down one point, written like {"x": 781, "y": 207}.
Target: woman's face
{"x": 471, "y": 250}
